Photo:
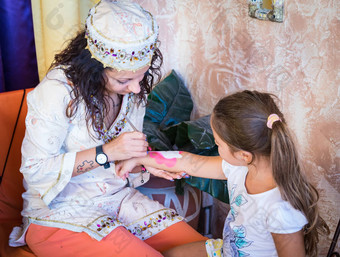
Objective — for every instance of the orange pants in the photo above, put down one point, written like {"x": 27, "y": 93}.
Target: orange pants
{"x": 52, "y": 242}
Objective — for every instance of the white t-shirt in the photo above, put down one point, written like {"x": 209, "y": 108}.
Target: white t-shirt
{"x": 253, "y": 217}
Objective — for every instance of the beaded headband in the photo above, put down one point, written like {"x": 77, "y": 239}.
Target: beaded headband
{"x": 121, "y": 35}
{"x": 271, "y": 119}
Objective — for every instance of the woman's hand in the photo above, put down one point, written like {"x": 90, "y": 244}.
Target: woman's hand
{"x": 123, "y": 168}
{"x": 126, "y": 146}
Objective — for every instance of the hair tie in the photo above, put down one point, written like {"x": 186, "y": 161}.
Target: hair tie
{"x": 271, "y": 119}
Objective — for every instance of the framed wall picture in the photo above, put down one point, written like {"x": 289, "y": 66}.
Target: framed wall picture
{"x": 271, "y": 10}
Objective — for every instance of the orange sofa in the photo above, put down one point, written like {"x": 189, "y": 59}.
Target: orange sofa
{"x": 13, "y": 109}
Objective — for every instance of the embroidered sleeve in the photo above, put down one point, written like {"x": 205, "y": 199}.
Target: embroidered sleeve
{"x": 46, "y": 167}
{"x": 284, "y": 219}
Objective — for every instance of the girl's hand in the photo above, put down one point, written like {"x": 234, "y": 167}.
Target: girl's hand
{"x": 126, "y": 146}
{"x": 123, "y": 168}
{"x": 163, "y": 174}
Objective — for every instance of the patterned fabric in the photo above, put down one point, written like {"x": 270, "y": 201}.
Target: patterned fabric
{"x": 95, "y": 202}
{"x": 214, "y": 247}
{"x": 121, "y": 35}
{"x": 108, "y": 135}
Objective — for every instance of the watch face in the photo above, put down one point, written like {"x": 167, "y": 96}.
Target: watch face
{"x": 101, "y": 158}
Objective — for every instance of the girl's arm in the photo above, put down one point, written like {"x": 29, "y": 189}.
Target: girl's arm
{"x": 288, "y": 245}
{"x": 177, "y": 161}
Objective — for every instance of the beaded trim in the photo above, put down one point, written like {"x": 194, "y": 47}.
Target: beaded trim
{"x": 110, "y": 56}
{"x": 107, "y": 223}
{"x": 144, "y": 228}
{"x": 107, "y": 135}
{"x": 154, "y": 223}
{"x": 131, "y": 51}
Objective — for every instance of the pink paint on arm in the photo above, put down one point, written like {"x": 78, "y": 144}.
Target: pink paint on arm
{"x": 162, "y": 158}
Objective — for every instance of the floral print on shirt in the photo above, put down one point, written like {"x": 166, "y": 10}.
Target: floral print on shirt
{"x": 237, "y": 234}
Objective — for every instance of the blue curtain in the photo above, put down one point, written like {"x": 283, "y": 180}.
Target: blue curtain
{"x": 18, "y": 62}
{"x": 2, "y": 79}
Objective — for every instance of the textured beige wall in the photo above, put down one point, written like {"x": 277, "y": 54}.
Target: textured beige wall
{"x": 218, "y": 49}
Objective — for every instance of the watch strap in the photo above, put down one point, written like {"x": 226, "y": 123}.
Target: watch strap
{"x": 99, "y": 150}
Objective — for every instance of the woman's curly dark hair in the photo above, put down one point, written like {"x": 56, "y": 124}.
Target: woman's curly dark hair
{"x": 86, "y": 75}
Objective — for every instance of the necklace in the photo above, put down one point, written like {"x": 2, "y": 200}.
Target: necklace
{"x": 108, "y": 135}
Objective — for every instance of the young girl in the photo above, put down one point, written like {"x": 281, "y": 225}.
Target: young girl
{"x": 273, "y": 208}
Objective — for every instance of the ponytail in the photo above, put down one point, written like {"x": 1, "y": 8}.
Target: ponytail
{"x": 294, "y": 186}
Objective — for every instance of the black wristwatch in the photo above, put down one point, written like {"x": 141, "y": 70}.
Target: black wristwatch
{"x": 101, "y": 157}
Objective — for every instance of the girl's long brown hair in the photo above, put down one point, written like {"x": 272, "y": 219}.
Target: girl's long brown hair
{"x": 241, "y": 121}
{"x": 88, "y": 81}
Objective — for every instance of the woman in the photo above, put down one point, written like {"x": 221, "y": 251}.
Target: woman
{"x": 81, "y": 119}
